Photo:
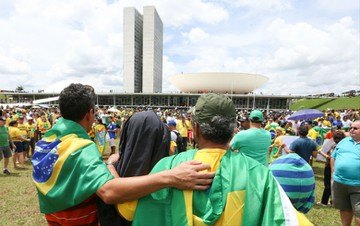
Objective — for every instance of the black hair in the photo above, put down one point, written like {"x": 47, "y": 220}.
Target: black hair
{"x": 75, "y": 101}
{"x": 12, "y": 123}
{"x": 219, "y": 130}
{"x": 303, "y": 131}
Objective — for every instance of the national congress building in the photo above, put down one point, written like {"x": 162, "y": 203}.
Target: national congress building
{"x": 143, "y": 51}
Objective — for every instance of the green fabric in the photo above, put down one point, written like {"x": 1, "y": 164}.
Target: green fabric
{"x": 212, "y": 104}
{"x": 65, "y": 127}
{"x": 81, "y": 175}
{"x": 253, "y": 143}
{"x": 256, "y": 116}
{"x": 263, "y": 204}
{"x": 4, "y": 136}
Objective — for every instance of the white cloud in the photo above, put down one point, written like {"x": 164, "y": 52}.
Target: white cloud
{"x": 49, "y": 44}
{"x": 181, "y": 13}
{"x": 196, "y": 35}
{"x": 14, "y": 63}
{"x": 262, "y": 5}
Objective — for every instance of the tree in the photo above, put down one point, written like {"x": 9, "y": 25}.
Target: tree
{"x": 19, "y": 89}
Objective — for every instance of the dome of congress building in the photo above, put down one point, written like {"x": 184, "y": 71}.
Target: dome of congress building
{"x": 220, "y": 82}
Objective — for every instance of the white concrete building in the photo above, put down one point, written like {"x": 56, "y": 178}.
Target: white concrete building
{"x": 219, "y": 82}
{"x": 152, "y": 51}
{"x": 133, "y": 36}
{"x": 143, "y": 50}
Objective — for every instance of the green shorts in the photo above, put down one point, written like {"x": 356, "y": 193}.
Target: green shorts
{"x": 5, "y": 152}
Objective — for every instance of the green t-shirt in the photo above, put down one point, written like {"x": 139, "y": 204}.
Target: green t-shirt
{"x": 4, "y": 136}
{"x": 254, "y": 143}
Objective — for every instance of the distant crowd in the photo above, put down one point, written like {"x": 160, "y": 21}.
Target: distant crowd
{"x": 288, "y": 148}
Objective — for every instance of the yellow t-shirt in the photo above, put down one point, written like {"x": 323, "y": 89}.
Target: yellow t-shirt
{"x": 7, "y": 122}
{"x": 14, "y": 133}
{"x": 181, "y": 127}
{"x": 23, "y": 130}
{"x": 44, "y": 126}
{"x": 31, "y": 130}
{"x": 326, "y": 123}
{"x": 188, "y": 124}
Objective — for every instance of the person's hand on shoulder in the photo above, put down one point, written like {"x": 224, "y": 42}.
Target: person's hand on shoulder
{"x": 188, "y": 176}
{"x": 113, "y": 159}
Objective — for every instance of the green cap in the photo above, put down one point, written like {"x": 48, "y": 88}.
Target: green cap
{"x": 212, "y": 104}
{"x": 256, "y": 116}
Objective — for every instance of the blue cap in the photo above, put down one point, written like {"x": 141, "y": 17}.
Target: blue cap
{"x": 171, "y": 122}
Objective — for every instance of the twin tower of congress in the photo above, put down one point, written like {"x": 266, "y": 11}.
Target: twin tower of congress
{"x": 143, "y": 50}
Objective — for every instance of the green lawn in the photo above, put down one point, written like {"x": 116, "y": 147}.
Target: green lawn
{"x": 327, "y": 103}
{"x": 308, "y": 103}
{"x": 342, "y": 103}
{"x": 19, "y": 204}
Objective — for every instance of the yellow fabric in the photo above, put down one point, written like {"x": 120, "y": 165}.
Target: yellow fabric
{"x": 234, "y": 201}
{"x": 127, "y": 209}
{"x": 38, "y": 120}
{"x": 278, "y": 141}
{"x": 7, "y": 122}
{"x": 209, "y": 156}
{"x": 91, "y": 133}
{"x": 30, "y": 128}
{"x": 172, "y": 147}
{"x": 15, "y": 117}
{"x": 44, "y": 126}
{"x": 188, "y": 198}
{"x": 234, "y": 209}
{"x": 303, "y": 221}
{"x": 181, "y": 128}
{"x": 326, "y": 123}
{"x": 312, "y": 134}
{"x": 15, "y": 133}
{"x": 188, "y": 124}
{"x": 69, "y": 144}
{"x": 23, "y": 130}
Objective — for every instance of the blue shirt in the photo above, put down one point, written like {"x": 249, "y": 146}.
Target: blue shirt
{"x": 347, "y": 162}
{"x": 304, "y": 147}
{"x": 112, "y": 127}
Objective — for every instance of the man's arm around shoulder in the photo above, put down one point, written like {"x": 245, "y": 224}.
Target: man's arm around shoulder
{"x": 186, "y": 176}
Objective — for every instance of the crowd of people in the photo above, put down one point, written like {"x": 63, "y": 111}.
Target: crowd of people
{"x": 156, "y": 149}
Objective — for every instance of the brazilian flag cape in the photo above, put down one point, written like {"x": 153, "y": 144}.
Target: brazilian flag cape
{"x": 100, "y": 137}
{"x": 68, "y": 168}
{"x": 243, "y": 192}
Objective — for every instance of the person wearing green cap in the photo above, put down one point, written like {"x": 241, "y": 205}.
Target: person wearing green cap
{"x": 237, "y": 196}
{"x": 254, "y": 142}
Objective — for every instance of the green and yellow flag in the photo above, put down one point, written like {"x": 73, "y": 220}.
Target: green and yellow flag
{"x": 243, "y": 193}
{"x": 68, "y": 167}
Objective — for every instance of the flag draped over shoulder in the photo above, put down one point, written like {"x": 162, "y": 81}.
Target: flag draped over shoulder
{"x": 68, "y": 167}
{"x": 100, "y": 137}
{"x": 243, "y": 192}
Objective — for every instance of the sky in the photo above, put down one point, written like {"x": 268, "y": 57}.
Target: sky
{"x": 302, "y": 46}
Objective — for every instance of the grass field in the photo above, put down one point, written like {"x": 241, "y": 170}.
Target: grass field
{"x": 327, "y": 103}
{"x": 19, "y": 204}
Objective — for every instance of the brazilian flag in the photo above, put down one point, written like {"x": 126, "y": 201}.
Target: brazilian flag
{"x": 100, "y": 137}
{"x": 68, "y": 167}
{"x": 243, "y": 192}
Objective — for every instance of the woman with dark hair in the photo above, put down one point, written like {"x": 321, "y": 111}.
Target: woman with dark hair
{"x": 144, "y": 140}
{"x": 338, "y": 135}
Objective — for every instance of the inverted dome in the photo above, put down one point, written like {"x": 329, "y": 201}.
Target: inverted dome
{"x": 221, "y": 82}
